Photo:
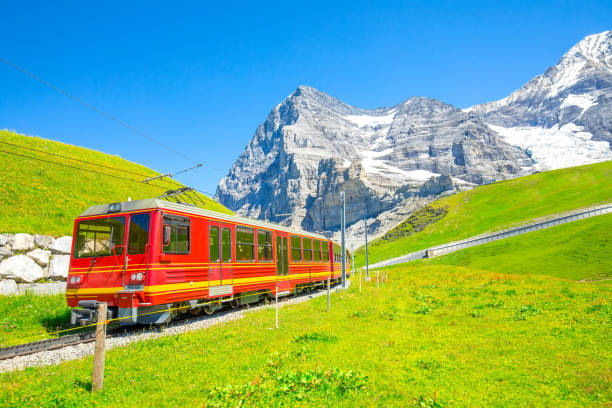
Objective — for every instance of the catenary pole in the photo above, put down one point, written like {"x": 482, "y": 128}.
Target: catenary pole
{"x": 352, "y": 260}
{"x": 343, "y": 221}
{"x": 365, "y": 221}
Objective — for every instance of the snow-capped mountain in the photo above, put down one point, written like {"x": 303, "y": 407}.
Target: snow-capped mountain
{"x": 389, "y": 161}
{"x": 312, "y": 146}
{"x": 564, "y": 116}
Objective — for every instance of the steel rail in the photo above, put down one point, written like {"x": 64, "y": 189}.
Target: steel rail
{"x": 89, "y": 336}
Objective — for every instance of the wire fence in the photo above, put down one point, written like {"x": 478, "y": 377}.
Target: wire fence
{"x": 59, "y": 333}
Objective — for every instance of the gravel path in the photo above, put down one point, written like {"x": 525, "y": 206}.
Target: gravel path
{"x": 44, "y": 358}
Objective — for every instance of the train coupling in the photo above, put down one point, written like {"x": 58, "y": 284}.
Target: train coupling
{"x": 88, "y": 313}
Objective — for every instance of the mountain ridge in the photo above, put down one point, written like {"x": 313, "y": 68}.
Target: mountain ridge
{"x": 312, "y": 146}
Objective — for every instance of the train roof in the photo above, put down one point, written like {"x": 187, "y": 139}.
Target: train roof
{"x": 153, "y": 203}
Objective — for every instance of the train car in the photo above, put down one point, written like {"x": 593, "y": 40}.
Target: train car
{"x": 152, "y": 259}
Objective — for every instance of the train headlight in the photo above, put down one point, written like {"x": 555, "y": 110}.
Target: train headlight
{"x": 133, "y": 277}
{"x": 139, "y": 276}
{"x": 72, "y": 280}
{"x": 78, "y": 279}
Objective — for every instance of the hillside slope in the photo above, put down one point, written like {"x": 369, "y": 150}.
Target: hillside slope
{"x": 494, "y": 207}
{"x": 44, "y": 198}
{"x": 577, "y": 250}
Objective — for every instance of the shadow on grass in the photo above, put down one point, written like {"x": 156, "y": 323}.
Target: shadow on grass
{"x": 57, "y": 321}
{"x": 86, "y": 385}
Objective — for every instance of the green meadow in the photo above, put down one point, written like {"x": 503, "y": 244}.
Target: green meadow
{"x": 433, "y": 336}
{"x": 43, "y": 198}
{"x": 495, "y": 207}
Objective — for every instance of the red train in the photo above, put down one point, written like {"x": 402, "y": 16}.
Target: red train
{"x": 150, "y": 260}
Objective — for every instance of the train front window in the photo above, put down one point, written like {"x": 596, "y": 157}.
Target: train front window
{"x": 139, "y": 233}
{"x": 98, "y": 237}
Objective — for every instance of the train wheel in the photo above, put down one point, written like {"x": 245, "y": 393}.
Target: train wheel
{"x": 209, "y": 309}
{"x": 196, "y": 312}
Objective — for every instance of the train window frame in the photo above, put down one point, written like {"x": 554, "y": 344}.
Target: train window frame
{"x": 240, "y": 228}
{"x": 121, "y": 218}
{"x": 296, "y": 248}
{"x": 307, "y": 252}
{"x": 175, "y": 222}
{"x": 223, "y": 245}
{"x": 210, "y": 241}
{"x": 325, "y": 252}
{"x": 316, "y": 250}
{"x": 141, "y": 250}
{"x": 267, "y": 234}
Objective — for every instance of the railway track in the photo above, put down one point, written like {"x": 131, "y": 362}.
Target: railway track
{"x": 7, "y": 353}
{"x": 46, "y": 345}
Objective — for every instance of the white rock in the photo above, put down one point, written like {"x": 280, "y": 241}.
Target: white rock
{"x": 51, "y": 288}
{"x": 4, "y": 240}
{"x": 7, "y": 287}
{"x": 40, "y": 256}
{"x": 22, "y": 242}
{"x": 58, "y": 268}
{"x": 21, "y": 269}
{"x": 5, "y": 252}
{"x": 43, "y": 241}
{"x": 62, "y": 245}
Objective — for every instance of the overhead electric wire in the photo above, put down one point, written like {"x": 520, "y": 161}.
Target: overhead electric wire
{"x": 83, "y": 161}
{"x": 82, "y": 169}
{"x": 93, "y": 108}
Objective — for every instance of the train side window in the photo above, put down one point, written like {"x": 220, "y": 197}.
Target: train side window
{"x": 213, "y": 243}
{"x": 325, "y": 251}
{"x": 245, "y": 244}
{"x": 307, "y": 249}
{"x": 264, "y": 245}
{"x": 139, "y": 233}
{"x": 178, "y": 242}
{"x": 296, "y": 248}
{"x": 226, "y": 243}
{"x": 316, "y": 250}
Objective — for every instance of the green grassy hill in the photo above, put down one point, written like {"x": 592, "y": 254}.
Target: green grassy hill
{"x": 44, "y": 198}
{"x": 494, "y": 207}
{"x": 577, "y": 250}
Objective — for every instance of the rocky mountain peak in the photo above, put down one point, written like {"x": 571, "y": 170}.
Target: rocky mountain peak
{"x": 389, "y": 160}
{"x": 564, "y": 116}
{"x": 312, "y": 146}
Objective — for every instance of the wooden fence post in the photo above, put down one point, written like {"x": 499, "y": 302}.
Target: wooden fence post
{"x": 328, "y": 293}
{"x": 97, "y": 382}
{"x": 277, "y": 306}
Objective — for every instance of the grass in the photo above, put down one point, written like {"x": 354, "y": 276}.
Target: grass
{"x": 434, "y": 336}
{"x": 577, "y": 250}
{"x": 497, "y": 206}
{"x": 29, "y": 318}
{"x": 45, "y": 198}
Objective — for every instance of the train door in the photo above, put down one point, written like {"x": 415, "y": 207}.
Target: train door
{"x": 138, "y": 249}
{"x": 282, "y": 263}
{"x": 220, "y": 273}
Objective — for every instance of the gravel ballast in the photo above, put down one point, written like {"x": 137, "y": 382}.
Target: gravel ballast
{"x": 51, "y": 357}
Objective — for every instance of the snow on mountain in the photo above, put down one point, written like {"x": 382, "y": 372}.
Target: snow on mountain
{"x": 389, "y": 161}
{"x": 564, "y": 116}
{"x": 312, "y": 146}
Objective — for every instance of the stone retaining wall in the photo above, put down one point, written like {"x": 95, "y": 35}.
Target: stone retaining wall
{"x": 34, "y": 263}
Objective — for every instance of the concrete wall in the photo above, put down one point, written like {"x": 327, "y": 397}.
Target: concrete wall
{"x": 479, "y": 240}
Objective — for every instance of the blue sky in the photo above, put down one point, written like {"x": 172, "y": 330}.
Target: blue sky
{"x": 202, "y": 76}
